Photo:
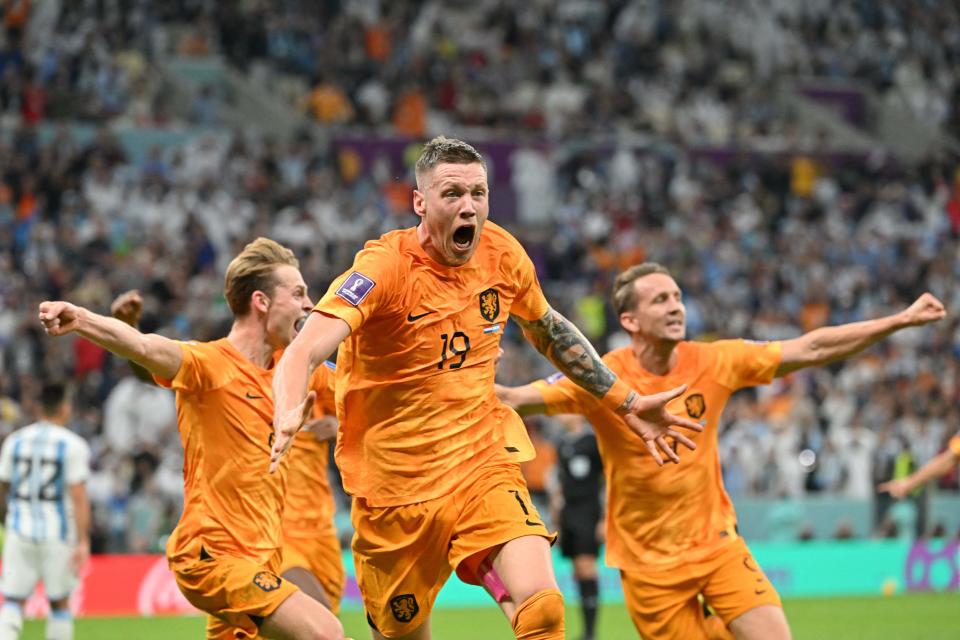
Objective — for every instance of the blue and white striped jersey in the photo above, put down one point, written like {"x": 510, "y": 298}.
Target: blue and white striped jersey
{"x": 41, "y": 461}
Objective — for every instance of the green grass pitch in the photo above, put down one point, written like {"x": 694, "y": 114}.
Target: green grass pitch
{"x": 931, "y": 616}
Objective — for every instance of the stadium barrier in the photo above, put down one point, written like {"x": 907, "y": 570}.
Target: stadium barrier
{"x": 142, "y": 585}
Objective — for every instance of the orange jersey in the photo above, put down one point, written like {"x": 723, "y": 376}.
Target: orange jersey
{"x": 415, "y": 397}
{"x": 678, "y": 513}
{"x": 232, "y": 505}
{"x": 309, "y": 503}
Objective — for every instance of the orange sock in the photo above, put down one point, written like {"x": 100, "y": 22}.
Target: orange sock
{"x": 540, "y": 617}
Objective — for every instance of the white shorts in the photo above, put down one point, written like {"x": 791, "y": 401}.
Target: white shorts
{"x": 26, "y": 562}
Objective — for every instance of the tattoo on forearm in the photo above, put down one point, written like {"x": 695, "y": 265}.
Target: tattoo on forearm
{"x": 562, "y": 343}
{"x": 625, "y": 405}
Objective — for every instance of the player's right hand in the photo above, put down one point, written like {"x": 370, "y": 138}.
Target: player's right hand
{"x": 80, "y": 556}
{"x": 898, "y": 489}
{"x": 285, "y": 427}
{"x": 128, "y": 307}
{"x": 925, "y": 309}
{"x": 59, "y": 317}
{"x": 648, "y": 417}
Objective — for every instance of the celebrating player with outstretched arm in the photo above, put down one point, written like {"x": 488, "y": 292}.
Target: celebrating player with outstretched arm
{"x": 429, "y": 455}
{"x": 311, "y": 549}
{"x": 225, "y": 551}
{"x": 672, "y": 532}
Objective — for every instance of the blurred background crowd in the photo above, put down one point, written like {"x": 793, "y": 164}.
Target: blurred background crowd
{"x": 637, "y": 130}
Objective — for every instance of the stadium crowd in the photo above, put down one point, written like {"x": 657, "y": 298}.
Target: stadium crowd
{"x": 764, "y": 246}
{"x": 696, "y": 71}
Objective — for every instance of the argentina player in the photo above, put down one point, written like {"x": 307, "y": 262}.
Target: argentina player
{"x": 43, "y": 472}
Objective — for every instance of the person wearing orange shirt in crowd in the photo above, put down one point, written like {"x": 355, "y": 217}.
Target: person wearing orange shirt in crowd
{"x": 672, "y": 532}
{"x": 429, "y": 455}
{"x": 940, "y": 465}
{"x": 311, "y": 548}
{"x": 225, "y": 551}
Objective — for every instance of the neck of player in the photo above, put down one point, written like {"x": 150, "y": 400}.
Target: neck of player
{"x": 659, "y": 357}
{"x": 250, "y": 338}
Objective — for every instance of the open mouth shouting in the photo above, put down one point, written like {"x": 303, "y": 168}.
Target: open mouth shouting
{"x": 463, "y": 237}
{"x": 299, "y": 323}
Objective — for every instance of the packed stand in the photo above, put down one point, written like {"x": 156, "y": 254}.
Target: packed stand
{"x": 696, "y": 71}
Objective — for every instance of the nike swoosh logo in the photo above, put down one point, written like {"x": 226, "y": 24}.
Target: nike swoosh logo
{"x": 533, "y": 524}
{"x": 411, "y": 317}
{"x": 250, "y": 396}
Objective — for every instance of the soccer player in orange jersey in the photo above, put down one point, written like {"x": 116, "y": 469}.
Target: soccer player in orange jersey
{"x": 225, "y": 551}
{"x": 311, "y": 549}
{"x": 940, "y": 465}
{"x": 424, "y": 447}
{"x": 672, "y": 532}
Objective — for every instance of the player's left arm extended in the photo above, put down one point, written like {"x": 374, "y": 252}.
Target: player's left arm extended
{"x": 561, "y": 342}
{"x": 829, "y": 344}
{"x": 292, "y": 405}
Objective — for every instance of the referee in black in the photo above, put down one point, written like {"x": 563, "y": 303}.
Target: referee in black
{"x": 576, "y": 505}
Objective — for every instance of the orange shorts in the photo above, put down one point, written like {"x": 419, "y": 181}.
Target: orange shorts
{"x": 404, "y": 554}
{"x": 238, "y": 594}
{"x": 320, "y": 555}
{"x": 663, "y": 604}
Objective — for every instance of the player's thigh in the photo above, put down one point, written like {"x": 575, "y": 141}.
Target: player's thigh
{"x": 300, "y": 617}
{"x": 319, "y": 557}
{"x": 59, "y": 577}
{"x": 499, "y": 524}
{"x": 766, "y": 622}
{"x": 585, "y": 566}
{"x": 663, "y": 610}
{"x": 400, "y": 557}
{"x": 22, "y": 565}
{"x": 308, "y": 583}
{"x": 525, "y": 567}
{"x": 736, "y": 584}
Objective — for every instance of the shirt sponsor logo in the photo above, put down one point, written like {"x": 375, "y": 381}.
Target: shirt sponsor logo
{"x": 355, "y": 288}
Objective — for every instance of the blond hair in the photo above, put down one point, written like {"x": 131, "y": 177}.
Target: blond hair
{"x": 624, "y": 293}
{"x": 442, "y": 150}
{"x": 253, "y": 270}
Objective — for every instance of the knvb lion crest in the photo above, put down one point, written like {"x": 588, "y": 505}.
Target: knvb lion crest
{"x": 267, "y": 581}
{"x": 404, "y": 607}
{"x": 490, "y": 305}
{"x": 696, "y": 406}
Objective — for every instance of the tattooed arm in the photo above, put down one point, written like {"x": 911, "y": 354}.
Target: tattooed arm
{"x": 562, "y": 343}
{"x": 569, "y": 350}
